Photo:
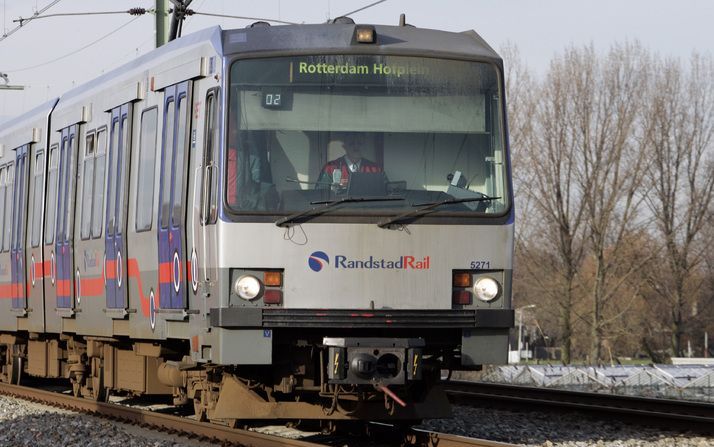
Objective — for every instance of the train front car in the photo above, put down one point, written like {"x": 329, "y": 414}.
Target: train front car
{"x": 365, "y": 230}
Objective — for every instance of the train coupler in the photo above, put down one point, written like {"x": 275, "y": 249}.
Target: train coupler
{"x": 387, "y": 361}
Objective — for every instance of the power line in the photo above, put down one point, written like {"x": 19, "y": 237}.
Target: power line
{"x": 224, "y": 16}
{"x": 363, "y": 8}
{"x": 132, "y": 11}
{"x": 75, "y": 51}
{"x": 26, "y": 21}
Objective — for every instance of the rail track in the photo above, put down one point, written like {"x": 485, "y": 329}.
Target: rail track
{"x": 381, "y": 434}
{"x": 695, "y": 416}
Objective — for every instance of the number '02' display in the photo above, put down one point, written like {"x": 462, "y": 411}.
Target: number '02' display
{"x": 276, "y": 99}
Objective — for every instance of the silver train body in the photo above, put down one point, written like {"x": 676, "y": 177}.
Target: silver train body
{"x": 141, "y": 253}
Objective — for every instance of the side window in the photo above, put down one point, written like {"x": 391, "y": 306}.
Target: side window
{"x": 100, "y": 155}
{"x": 147, "y": 169}
{"x": 209, "y": 199}
{"x": 3, "y": 210}
{"x": 113, "y": 158}
{"x": 37, "y": 195}
{"x": 183, "y": 117}
{"x": 125, "y": 128}
{"x": 10, "y": 186}
{"x": 51, "y": 195}
{"x": 167, "y": 162}
{"x": 87, "y": 184}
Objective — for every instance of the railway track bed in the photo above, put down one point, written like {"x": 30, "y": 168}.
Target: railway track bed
{"x": 191, "y": 432}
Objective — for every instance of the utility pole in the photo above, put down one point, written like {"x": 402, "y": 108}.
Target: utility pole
{"x": 162, "y": 22}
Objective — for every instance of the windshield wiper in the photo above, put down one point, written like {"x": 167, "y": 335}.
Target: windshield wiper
{"x": 427, "y": 208}
{"x": 327, "y": 204}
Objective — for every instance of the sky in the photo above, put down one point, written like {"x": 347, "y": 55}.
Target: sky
{"x": 49, "y": 56}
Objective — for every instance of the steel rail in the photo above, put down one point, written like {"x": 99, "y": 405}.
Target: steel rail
{"x": 144, "y": 418}
{"x": 217, "y": 433}
{"x": 686, "y": 414}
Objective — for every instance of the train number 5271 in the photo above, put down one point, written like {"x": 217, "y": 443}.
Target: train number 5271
{"x": 480, "y": 265}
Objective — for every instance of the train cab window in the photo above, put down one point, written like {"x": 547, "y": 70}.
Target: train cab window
{"x": 147, "y": 169}
{"x": 51, "y": 195}
{"x": 3, "y": 175}
{"x": 37, "y": 195}
{"x": 87, "y": 183}
{"x": 9, "y": 189}
{"x": 209, "y": 184}
{"x": 100, "y": 155}
{"x": 414, "y": 130}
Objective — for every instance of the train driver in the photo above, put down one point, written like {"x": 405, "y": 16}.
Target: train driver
{"x": 337, "y": 172}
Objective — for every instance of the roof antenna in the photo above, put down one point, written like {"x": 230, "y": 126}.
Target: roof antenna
{"x": 402, "y": 19}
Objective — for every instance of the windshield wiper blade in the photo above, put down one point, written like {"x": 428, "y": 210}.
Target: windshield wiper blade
{"x": 426, "y": 208}
{"x": 327, "y": 204}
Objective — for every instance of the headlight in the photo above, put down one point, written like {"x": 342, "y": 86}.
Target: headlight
{"x": 486, "y": 289}
{"x": 248, "y": 287}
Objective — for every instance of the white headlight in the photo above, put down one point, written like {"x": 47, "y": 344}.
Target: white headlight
{"x": 486, "y": 289}
{"x": 247, "y": 287}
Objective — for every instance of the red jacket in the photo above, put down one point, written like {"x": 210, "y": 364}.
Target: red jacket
{"x": 326, "y": 175}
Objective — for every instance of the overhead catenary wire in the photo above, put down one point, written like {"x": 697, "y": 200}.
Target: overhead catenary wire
{"x": 26, "y": 21}
{"x": 363, "y": 8}
{"x": 132, "y": 11}
{"x": 16, "y": 70}
{"x": 225, "y": 16}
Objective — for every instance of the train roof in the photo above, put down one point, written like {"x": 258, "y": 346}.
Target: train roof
{"x": 291, "y": 39}
{"x": 338, "y": 38}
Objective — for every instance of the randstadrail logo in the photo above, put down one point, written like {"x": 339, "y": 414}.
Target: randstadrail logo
{"x": 318, "y": 260}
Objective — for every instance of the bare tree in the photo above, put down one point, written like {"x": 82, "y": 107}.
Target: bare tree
{"x": 681, "y": 178}
{"x": 553, "y": 164}
{"x": 607, "y": 99}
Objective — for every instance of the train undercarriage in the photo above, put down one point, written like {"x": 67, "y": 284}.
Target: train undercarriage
{"x": 347, "y": 378}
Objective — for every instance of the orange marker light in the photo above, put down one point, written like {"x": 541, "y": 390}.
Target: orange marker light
{"x": 273, "y": 279}
{"x": 462, "y": 279}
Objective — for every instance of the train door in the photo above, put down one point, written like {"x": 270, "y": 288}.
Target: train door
{"x": 177, "y": 109}
{"x": 48, "y": 266}
{"x": 17, "y": 255}
{"x": 115, "y": 264}
{"x": 209, "y": 188}
{"x": 34, "y": 267}
{"x": 65, "y": 218}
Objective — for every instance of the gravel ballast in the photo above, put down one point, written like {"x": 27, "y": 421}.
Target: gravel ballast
{"x": 535, "y": 429}
{"x": 24, "y": 423}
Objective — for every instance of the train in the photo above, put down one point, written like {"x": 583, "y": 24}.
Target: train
{"x": 295, "y": 222}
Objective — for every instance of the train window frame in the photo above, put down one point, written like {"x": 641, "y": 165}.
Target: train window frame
{"x": 87, "y": 185}
{"x": 51, "y": 201}
{"x": 209, "y": 179}
{"x": 9, "y": 217}
{"x": 183, "y": 112}
{"x": 121, "y": 208}
{"x": 169, "y": 120}
{"x": 19, "y": 202}
{"x": 144, "y": 197}
{"x": 37, "y": 196}
{"x": 100, "y": 160}
{"x": 494, "y": 113}
{"x": 3, "y": 175}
